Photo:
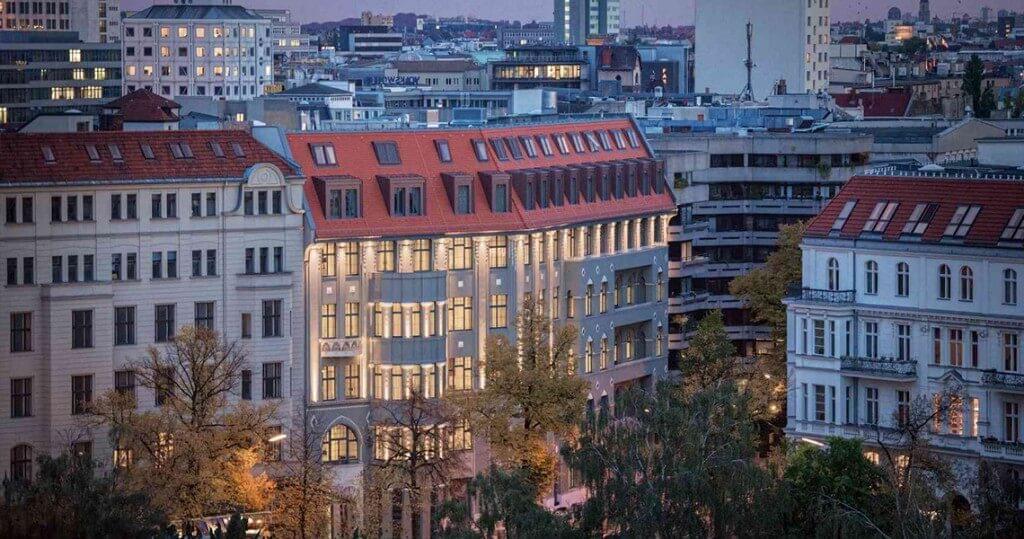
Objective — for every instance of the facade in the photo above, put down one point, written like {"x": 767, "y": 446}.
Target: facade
{"x": 912, "y": 289}
{"x": 790, "y": 42}
{"x": 441, "y": 75}
{"x": 115, "y": 240}
{"x": 541, "y": 67}
{"x": 511, "y": 36}
{"x": 51, "y": 72}
{"x": 221, "y": 51}
{"x": 288, "y": 43}
{"x": 735, "y": 189}
{"x": 366, "y": 40}
{"x": 423, "y": 243}
{"x": 96, "y": 21}
{"x": 577, "y": 20}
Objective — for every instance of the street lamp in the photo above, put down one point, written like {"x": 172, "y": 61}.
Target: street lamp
{"x": 277, "y": 437}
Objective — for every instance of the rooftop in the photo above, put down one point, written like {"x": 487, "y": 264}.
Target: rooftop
{"x": 313, "y": 88}
{"x": 208, "y": 12}
{"x": 145, "y": 106}
{"x": 435, "y": 66}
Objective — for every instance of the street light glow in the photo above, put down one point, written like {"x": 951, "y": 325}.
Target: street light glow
{"x": 277, "y": 437}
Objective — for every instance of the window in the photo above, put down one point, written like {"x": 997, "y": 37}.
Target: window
{"x": 21, "y": 397}
{"x": 421, "y": 255}
{"x": 340, "y": 445}
{"x": 387, "y": 153}
{"x": 272, "y": 318}
{"x": 956, "y": 347}
{"x": 545, "y": 145}
{"x": 1011, "y": 352}
{"x": 871, "y": 405}
{"x": 386, "y": 256}
{"x": 164, "y": 330}
{"x": 1014, "y": 230}
{"x": 21, "y": 332}
{"x": 871, "y": 339}
{"x": 397, "y": 329}
{"x": 444, "y": 153}
{"x": 966, "y": 284}
{"x": 497, "y": 251}
{"x": 204, "y": 314}
{"x": 460, "y": 254}
{"x": 323, "y": 154}
{"x": 81, "y": 329}
{"x": 499, "y": 310}
{"x": 351, "y": 319}
{"x": 124, "y": 383}
{"x": 903, "y": 342}
{"x": 463, "y": 200}
{"x": 871, "y": 277}
{"x": 819, "y": 402}
{"x": 124, "y": 325}
{"x": 903, "y": 279}
{"x": 880, "y": 217}
{"x": 500, "y": 198}
{"x": 460, "y": 313}
{"x": 960, "y": 224}
{"x": 460, "y": 436}
{"x": 352, "y": 380}
{"x": 480, "y": 150}
{"x": 21, "y": 462}
{"x": 920, "y": 218}
{"x": 460, "y": 373}
{"x": 945, "y": 282}
{"x": 603, "y": 299}
{"x": 833, "y": 274}
{"x": 272, "y": 380}
{"x": 1009, "y": 287}
{"x": 902, "y": 406}
{"x": 588, "y": 301}
{"x": 1011, "y": 422}
{"x": 246, "y": 389}
{"x": 819, "y": 337}
{"x": 81, "y": 394}
{"x": 328, "y": 321}
{"x": 498, "y": 145}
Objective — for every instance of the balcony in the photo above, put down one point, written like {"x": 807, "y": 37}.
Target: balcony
{"x": 819, "y": 295}
{"x": 410, "y": 350}
{"x": 1006, "y": 381}
{"x": 408, "y": 287}
{"x": 880, "y": 368}
{"x": 991, "y": 446}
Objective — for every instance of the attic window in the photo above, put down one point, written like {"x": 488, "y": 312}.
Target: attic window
{"x": 218, "y": 151}
{"x": 563, "y": 145}
{"x": 920, "y": 218}
{"x": 962, "y": 220}
{"x": 94, "y": 154}
{"x": 480, "y": 149}
{"x": 529, "y": 146}
{"x": 237, "y": 149}
{"x": 634, "y": 141}
{"x": 545, "y": 145}
{"x": 387, "y": 153}
{"x": 577, "y": 142}
{"x": 620, "y": 140}
{"x": 840, "y": 221}
{"x": 514, "y": 148}
{"x": 1014, "y": 230}
{"x": 880, "y": 216}
{"x": 323, "y": 154}
{"x": 499, "y": 149}
{"x": 444, "y": 153}
{"x": 147, "y": 151}
{"x": 606, "y": 141}
{"x": 592, "y": 142}
{"x": 180, "y": 150}
{"x": 115, "y": 152}
{"x": 48, "y": 156}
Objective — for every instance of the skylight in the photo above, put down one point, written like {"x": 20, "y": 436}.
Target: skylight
{"x": 620, "y": 140}
{"x": 513, "y": 146}
{"x": 592, "y": 141}
{"x": 529, "y": 146}
{"x": 1014, "y": 230}
{"x": 444, "y": 153}
{"x": 237, "y": 149}
{"x": 147, "y": 151}
{"x": 115, "y": 152}
{"x": 499, "y": 149}
{"x": 960, "y": 224}
{"x": 880, "y": 216}
{"x": 844, "y": 214}
{"x": 48, "y": 156}
{"x": 323, "y": 154}
{"x": 480, "y": 149}
{"x": 920, "y": 218}
{"x": 218, "y": 151}
{"x": 94, "y": 154}
{"x": 545, "y": 145}
{"x": 563, "y": 145}
{"x": 634, "y": 141}
{"x": 387, "y": 153}
{"x": 577, "y": 142}
{"x": 606, "y": 141}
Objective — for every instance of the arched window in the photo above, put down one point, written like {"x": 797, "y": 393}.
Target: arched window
{"x": 903, "y": 279}
{"x": 21, "y": 462}
{"x": 1009, "y": 286}
{"x": 871, "y": 277}
{"x": 340, "y": 445}
{"x": 833, "y": 274}
{"x": 966, "y": 284}
{"x": 945, "y": 282}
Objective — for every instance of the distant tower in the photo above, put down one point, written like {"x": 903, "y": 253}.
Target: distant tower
{"x": 895, "y": 14}
{"x": 924, "y": 14}
{"x": 986, "y": 14}
{"x": 748, "y": 91}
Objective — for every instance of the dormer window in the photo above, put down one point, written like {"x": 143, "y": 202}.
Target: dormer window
{"x": 387, "y": 153}
{"x": 513, "y": 147}
{"x": 606, "y": 141}
{"x": 529, "y": 146}
{"x": 237, "y": 149}
{"x": 844, "y": 214}
{"x": 180, "y": 150}
{"x": 94, "y": 154}
{"x": 323, "y": 154}
{"x": 620, "y": 140}
{"x": 495, "y": 186}
{"x": 499, "y": 199}
{"x": 444, "y": 153}
{"x": 218, "y": 150}
{"x": 577, "y": 142}
{"x": 880, "y": 217}
{"x": 563, "y": 144}
{"x": 634, "y": 141}
{"x": 480, "y": 150}
{"x": 920, "y": 218}
{"x": 404, "y": 194}
{"x": 1014, "y": 230}
{"x": 115, "y": 152}
{"x": 464, "y": 199}
{"x": 499, "y": 149}
{"x": 147, "y": 151}
{"x": 592, "y": 142}
{"x": 545, "y": 145}
{"x": 48, "y": 156}
{"x": 961, "y": 222}
{"x": 343, "y": 201}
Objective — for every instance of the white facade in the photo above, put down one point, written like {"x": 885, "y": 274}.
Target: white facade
{"x": 225, "y": 54}
{"x": 87, "y": 320}
{"x": 790, "y": 42}
{"x": 96, "y": 21}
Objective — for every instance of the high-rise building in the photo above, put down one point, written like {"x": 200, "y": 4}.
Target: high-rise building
{"x": 790, "y": 42}
{"x": 96, "y": 21}
{"x": 576, "y": 20}
{"x": 113, "y": 241}
{"x": 924, "y": 12}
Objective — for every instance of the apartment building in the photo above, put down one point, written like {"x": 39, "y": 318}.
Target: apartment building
{"x": 911, "y": 289}
{"x": 96, "y": 21}
{"x": 426, "y": 242}
{"x": 112, "y": 241}
{"x": 577, "y": 20}
{"x": 222, "y": 51}
{"x": 735, "y": 188}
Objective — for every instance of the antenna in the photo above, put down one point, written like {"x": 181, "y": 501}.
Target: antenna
{"x": 748, "y": 91}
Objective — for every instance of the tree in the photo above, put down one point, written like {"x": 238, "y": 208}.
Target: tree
{"x": 68, "y": 498}
{"x": 532, "y": 392}
{"x": 974, "y": 75}
{"x": 675, "y": 464}
{"x": 301, "y": 503}
{"x": 997, "y": 501}
{"x": 178, "y": 452}
{"x": 710, "y": 359}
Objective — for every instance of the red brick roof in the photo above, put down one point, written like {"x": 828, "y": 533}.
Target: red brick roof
{"x": 356, "y": 159}
{"x": 998, "y": 199}
{"x": 145, "y": 106}
{"x": 877, "y": 105}
{"x": 25, "y": 159}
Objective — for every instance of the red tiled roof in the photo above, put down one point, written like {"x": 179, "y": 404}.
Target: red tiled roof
{"x": 356, "y": 159}
{"x": 877, "y": 105}
{"x": 24, "y": 161}
{"x": 999, "y": 199}
{"x": 145, "y": 106}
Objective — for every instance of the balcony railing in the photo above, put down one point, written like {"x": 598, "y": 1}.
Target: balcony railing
{"x": 1012, "y": 449}
{"x": 881, "y": 366}
{"x": 824, "y": 296}
{"x": 1009, "y": 380}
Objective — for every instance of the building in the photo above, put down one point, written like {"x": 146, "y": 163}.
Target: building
{"x": 790, "y": 42}
{"x": 221, "y": 51}
{"x": 113, "y": 241}
{"x": 140, "y": 110}
{"x": 735, "y": 188}
{"x": 425, "y": 242}
{"x": 924, "y": 12}
{"x": 369, "y": 18}
{"x": 617, "y": 68}
{"x": 666, "y": 65}
{"x": 514, "y": 36}
{"x": 96, "y": 21}
{"x": 48, "y": 72}
{"x": 577, "y": 20}
{"x": 911, "y": 291}
{"x": 541, "y": 67}
{"x": 288, "y": 43}
{"x": 441, "y": 75}
{"x": 922, "y": 141}
{"x": 366, "y": 40}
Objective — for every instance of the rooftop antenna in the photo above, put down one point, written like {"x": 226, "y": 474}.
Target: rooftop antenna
{"x": 748, "y": 91}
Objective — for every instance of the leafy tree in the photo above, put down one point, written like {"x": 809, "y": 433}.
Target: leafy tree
{"x": 974, "y": 74}
{"x": 987, "y": 103}
{"x": 178, "y": 452}
{"x": 301, "y": 504}
{"x": 68, "y": 498}
{"x": 710, "y": 358}
{"x": 531, "y": 393}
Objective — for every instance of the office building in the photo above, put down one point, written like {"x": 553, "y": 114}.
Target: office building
{"x": 426, "y": 242}
{"x": 911, "y": 300}
{"x": 96, "y": 21}
{"x": 535, "y": 34}
{"x": 541, "y": 66}
{"x": 366, "y": 40}
{"x": 790, "y": 43}
{"x": 222, "y": 51}
{"x": 51, "y": 72}
{"x": 577, "y": 20}
{"x": 287, "y": 41}
{"x": 113, "y": 241}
